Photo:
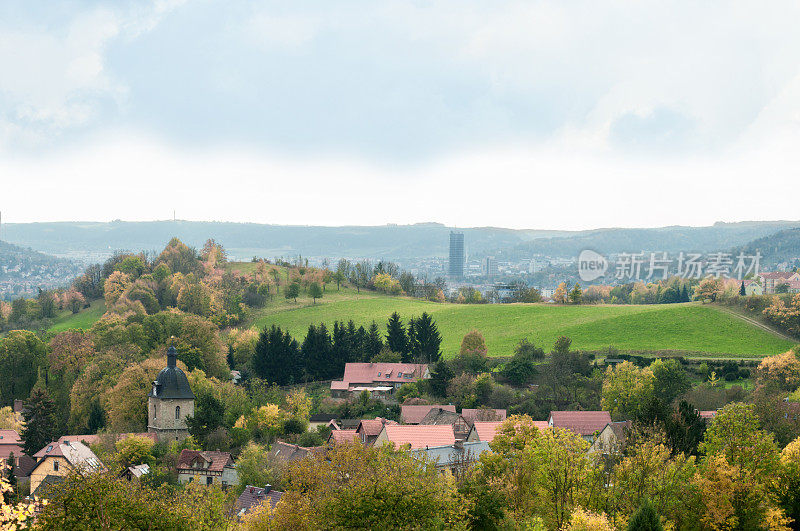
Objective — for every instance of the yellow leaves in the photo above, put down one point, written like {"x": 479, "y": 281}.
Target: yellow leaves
{"x": 385, "y": 283}
{"x": 10, "y": 420}
{"x": 560, "y": 295}
{"x": 13, "y": 516}
{"x": 625, "y": 388}
{"x": 582, "y": 520}
{"x": 782, "y": 370}
{"x": 115, "y": 285}
{"x": 299, "y": 404}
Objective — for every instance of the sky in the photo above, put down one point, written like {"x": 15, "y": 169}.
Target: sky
{"x": 530, "y": 114}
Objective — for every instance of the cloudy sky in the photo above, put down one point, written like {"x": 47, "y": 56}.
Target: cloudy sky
{"x": 530, "y": 114}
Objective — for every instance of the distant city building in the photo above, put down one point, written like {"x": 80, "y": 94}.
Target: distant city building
{"x": 490, "y": 267}
{"x": 456, "y": 263}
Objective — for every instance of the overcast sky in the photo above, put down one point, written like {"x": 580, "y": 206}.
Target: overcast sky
{"x": 531, "y": 114}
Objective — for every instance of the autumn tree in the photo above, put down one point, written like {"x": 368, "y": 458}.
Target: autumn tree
{"x": 626, "y": 390}
{"x": 781, "y": 371}
{"x": 560, "y": 294}
{"x": 473, "y": 342}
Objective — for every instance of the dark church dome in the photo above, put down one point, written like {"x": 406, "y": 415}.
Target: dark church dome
{"x": 171, "y": 382}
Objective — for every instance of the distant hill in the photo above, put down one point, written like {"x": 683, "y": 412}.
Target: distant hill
{"x": 23, "y": 270}
{"x": 718, "y": 237}
{"x": 243, "y": 240}
{"x": 91, "y": 242}
{"x": 783, "y": 246}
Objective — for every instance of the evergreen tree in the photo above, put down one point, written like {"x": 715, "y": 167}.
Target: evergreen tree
{"x": 645, "y": 519}
{"x": 340, "y": 348}
{"x": 231, "y": 362}
{"x": 12, "y": 478}
{"x": 742, "y": 291}
{"x": 426, "y": 340}
{"x": 317, "y": 351}
{"x": 360, "y": 342}
{"x": 685, "y": 294}
{"x": 40, "y": 422}
{"x": 440, "y": 378}
{"x": 209, "y": 413}
{"x": 277, "y": 357}
{"x": 374, "y": 343}
{"x": 396, "y": 338}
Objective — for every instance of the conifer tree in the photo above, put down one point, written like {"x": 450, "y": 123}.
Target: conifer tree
{"x": 396, "y": 338}
{"x": 645, "y": 519}
{"x": 40, "y": 422}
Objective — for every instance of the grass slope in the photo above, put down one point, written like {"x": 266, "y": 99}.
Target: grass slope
{"x": 686, "y": 327}
{"x": 67, "y": 320}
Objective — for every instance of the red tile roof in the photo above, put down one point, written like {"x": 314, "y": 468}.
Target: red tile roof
{"x": 251, "y": 497}
{"x": 580, "y": 422}
{"x": 414, "y": 414}
{"x": 9, "y": 437}
{"x": 419, "y": 436}
{"x": 708, "y": 414}
{"x": 471, "y": 415}
{"x": 373, "y": 427}
{"x": 217, "y": 461}
{"x": 367, "y": 373}
{"x": 776, "y": 274}
{"x": 487, "y": 430}
{"x": 343, "y": 436}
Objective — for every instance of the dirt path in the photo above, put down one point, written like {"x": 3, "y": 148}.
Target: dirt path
{"x": 760, "y": 325}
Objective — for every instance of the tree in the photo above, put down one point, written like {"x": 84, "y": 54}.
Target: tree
{"x": 627, "y": 389}
{"x": 645, "y": 519}
{"x": 208, "y": 416}
{"x": 560, "y": 294}
{"x": 317, "y": 352}
{"x": 440, "y": 378}
{"x": 254, "y": 467}
{"x": 368, "y": 485}
{"x": 562, "y": 345}
{"x": 426, "y": 342}
{"x": 742, "y": 291}
{"x": 292, "y": 291}
{"x": 473, "y": 342}
{"x": 670, "y": 380}
{"x": 134, "y": 450}
{"x": 709, "y": 289}
{"x": 576, "y": 294}
{"x": 40, "y": 422}
{"x": 781, "y": 371}
{"x": 21, "y": 355}
{"x": 522, "y": 366}
{"x": 277, "y": 357}
{"x": 315, "y": 291}
{"x": 396, "y": 338}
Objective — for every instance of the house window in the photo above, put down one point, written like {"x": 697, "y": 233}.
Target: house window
{"x": 209, "y": 480}
{"x": 154, "y": 412}
{"x": 55, "y": 464}
{"x": 177, "y": 412}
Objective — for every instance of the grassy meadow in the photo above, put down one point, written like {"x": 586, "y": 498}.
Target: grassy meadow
{"x": 699, "y": 330}
{"x": 67, "y": 320}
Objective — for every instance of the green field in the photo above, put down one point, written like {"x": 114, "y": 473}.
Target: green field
{"x": 693, "y": 328}
{"x": 66, "y": 320}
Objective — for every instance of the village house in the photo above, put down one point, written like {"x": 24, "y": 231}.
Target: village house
{"x": 487, "y": 430}
{"x": 413, "y": 414}
{"x": 207, "y": 468}
{"x": 415, "y": 436}
{"x": 252, "y": 497}
{"x": 369, "y": 429}
{"x": 443, "y": 417}
{"x": 453, "y": 457}
{"x": 483, "y": 414}
{"x": 381, "y": 380}
{"x": 11, "y": 448}
{"x": 587, "y": 424}
{"x": 135, "y": 472}
{"x": 285, "y": 452}
{"x": 57, "y": 460}
{"x": 771, "y": 280}
{"x": 342, "y": 436}
{"x": 611, "y": 439}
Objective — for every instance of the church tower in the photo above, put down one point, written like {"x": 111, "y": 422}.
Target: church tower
{"x": 170, "y": 402}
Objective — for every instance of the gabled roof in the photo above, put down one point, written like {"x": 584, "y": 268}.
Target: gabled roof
{"x": 291, "y": 452}
{"x": 414, "y": 414}
{"x": 212, "y": 461}
{"x": 487, "y": 430}
{"x": 76, "y": 454}
{"x": 342, "y": 436}
{"x": 440, "y": 417}
{"x": 251, "y": 497}
{"x": 580, "y": 422}
{"x": 452, "y": 454}
{"x": 9, "y": 437}
{"x": 777, "y": 275}
{"x": 373, "y": 427}
{"x": 419, "y": 436}
{"x": 483, "y": 415}
{"x": 48, "y": 481}
{"x": 708, "y": 415}
{"x": 360, "y": 373}
{"x": 138, "y": 471}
